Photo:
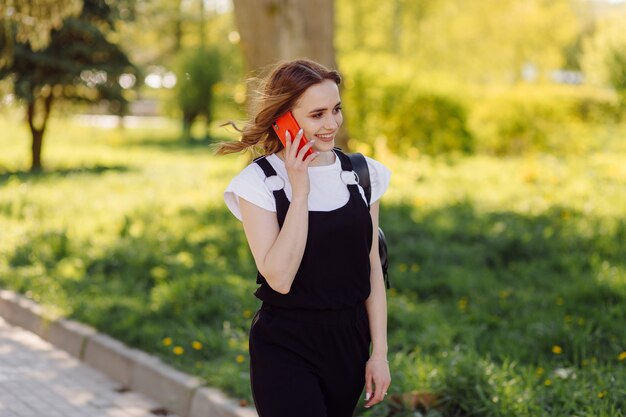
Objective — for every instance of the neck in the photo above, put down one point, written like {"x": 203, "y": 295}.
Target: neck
{"x": 324, "y": 158}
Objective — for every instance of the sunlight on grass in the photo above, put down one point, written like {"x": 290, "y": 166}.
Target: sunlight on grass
{"x": 508, "y": 275}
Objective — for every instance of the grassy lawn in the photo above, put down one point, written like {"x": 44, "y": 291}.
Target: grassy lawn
{"x": 508, "y": 274}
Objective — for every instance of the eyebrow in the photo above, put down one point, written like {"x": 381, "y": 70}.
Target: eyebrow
{"x": 322, "y": 109}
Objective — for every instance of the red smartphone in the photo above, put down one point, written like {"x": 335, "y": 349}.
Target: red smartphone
{"x": 285, "y": 123}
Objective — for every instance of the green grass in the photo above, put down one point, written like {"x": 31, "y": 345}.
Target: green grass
{"x": 508, "y": 275}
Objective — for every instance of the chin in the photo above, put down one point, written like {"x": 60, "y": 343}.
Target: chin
{"x": 324, "y": 146}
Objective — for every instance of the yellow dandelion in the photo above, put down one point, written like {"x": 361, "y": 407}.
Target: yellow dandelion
{"x": 196, "y": 345}
{"x": 240, "y": 358}
{"x": 547, "y": 382}
{"x": 167, "y": 341}
{"x": 602, "y": 394}
{"x": 247, "y": 314}
{"x": 580, "y": 321}
{"x": 415, "y": 268}
{"x": 568, "y": 318}
{"x": 560, "y": 301}
{"x": 557, "y": 350}
{"x": 403, "y": 267}
{"x": 178, "y": 350}
{"x": 462, "y": 303}
{"x": 540, "y": 371}
{"x": 621, "y": 356}
{"x": 585, "y": 362}
{"x": 393, "y": 292}
{"x": 529, "y": 175}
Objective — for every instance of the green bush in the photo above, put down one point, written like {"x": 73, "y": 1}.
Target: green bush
{"x": 430, "y": 122}
{"x": 540, "y": 118}
{"x": 420, "y": 111}
{"x": 197, "y": 73}
{"x": 403, "y": 112}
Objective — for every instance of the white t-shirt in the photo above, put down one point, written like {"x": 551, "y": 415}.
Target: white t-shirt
{"x": 328, "y": 190}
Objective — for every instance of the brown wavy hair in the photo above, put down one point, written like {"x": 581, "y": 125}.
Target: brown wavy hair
{"x": 279, "y": 92}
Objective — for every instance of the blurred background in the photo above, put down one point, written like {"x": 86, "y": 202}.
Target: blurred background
{"x": 502, "y": 121}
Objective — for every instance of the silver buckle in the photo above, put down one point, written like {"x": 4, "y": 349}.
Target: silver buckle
{"x": 349, "y": 177}
{"x": 274, "y": 183}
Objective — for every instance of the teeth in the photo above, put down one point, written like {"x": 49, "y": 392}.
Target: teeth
{"x": 325, "y": 136}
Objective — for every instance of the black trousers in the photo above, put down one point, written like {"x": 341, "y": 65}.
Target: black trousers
{"x": 306, "y": 363}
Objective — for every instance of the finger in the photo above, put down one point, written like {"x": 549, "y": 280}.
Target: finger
{"x": 296, "y": 142}
{"x": 368, "y": 390}
{"x": 287, "y": 142}
{"x": 302, "y": 152}
{"x": 311, "y": 157}
{"x": 379, "y": 393}
{"x": 375, "y": 397}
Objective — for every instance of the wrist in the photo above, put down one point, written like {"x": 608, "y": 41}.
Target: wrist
{"x": 300, "y": 198}
{"x": 378, "y": 356}
{"x": 379, "y": 352}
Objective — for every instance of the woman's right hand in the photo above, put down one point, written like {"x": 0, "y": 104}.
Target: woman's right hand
{"x": 297, "y": 165}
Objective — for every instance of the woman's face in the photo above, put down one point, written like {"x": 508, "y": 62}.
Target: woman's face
{"x": 318, "y": 112}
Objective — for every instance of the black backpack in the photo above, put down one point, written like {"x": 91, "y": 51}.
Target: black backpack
{"x": 359, "y": 165}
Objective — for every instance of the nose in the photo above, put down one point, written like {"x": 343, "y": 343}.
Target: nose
{"x": 332, "y": 122}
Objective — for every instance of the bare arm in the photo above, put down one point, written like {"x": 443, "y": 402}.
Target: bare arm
{"x": 377, "y": 370}
{"x": 278, "y": 251}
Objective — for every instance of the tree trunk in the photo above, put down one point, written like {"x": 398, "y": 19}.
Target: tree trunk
{"x": 37, "y": 132}
{"x": 274, "y": 30}
{"x": 178, "y": 28}
{"x": 187, "y": 125}
{"x": 202, "y": 25}
{"x": 36, "y": 151}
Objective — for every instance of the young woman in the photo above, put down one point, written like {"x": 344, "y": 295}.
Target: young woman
{"x": 312, "y": 238}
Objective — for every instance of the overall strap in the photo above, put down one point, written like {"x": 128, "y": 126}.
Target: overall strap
{"x": 282, "y": 202}
{"x": 350, "y": 163}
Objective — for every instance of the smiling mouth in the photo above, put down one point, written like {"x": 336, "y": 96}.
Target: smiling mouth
{"x": 326, "y": 137}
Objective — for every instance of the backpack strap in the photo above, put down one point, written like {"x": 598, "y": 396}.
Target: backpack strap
{"x": 282, "y": 202}
{"x": 359, "y": 164}
{"x": 348, "y": 169}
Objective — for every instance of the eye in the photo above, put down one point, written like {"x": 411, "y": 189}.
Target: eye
{"x": 317, "y": 116}
{"x": 337, "y": 109}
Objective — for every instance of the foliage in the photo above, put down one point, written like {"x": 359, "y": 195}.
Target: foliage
{"x": 79, "y": 63}
{"x": 486, "y": 41}
{"x": 436, "y": 115}
{"x": 605, "y": 54}
{"x": 540, "y": 119}
{"x": 32, "y": 21}
{"x": 508, "y": 275}
{"x": 198, "y": 71}
{"x": 405, "y": 113}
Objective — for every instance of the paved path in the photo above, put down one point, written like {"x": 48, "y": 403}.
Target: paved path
{"x": 39, "y": 380}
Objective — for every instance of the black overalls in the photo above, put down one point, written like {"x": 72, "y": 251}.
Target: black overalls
{"x": 308, "y": 348}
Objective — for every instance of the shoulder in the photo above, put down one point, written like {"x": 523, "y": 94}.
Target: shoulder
{"x": 250, "y": 185}
{"x": 380, "y": 176}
